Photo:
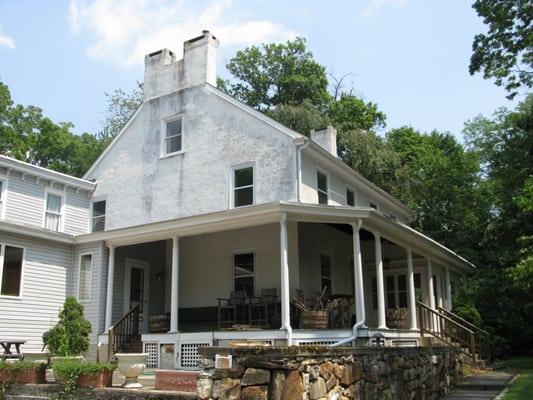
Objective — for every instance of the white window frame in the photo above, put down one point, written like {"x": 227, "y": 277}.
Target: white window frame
{"x": 243, "y": 251}
{"x": 395, "y": 275}
{"x": 62, "y": 195}
{"x": 3, "y": 196}
{"x": 325, "y": 253}
{"x": 349, "y": 188}
{"x": 96, "y": 200}
{"x": 164, "y": 122}
{"x": 232, "y": 183}
{"x": 22, "y": 269}
{"x": 326, "y": 174}
{"x": 90, "y": 277}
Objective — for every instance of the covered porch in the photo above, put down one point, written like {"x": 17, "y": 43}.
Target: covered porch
{"x": 176, "y": 276}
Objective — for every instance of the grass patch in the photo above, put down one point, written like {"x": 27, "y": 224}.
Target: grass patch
{"x": 522, "y": 387}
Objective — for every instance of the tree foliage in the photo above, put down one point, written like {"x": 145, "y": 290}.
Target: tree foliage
{"x": 120, "y": 108}
{"x": 505, "y": 52}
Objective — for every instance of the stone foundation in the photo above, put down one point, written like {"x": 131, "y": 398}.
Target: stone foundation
{"x": 321, "y": 373}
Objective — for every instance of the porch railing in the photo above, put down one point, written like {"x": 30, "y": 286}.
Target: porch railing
{"x": 484, "y": 345}
{"x": 447, "y": 330}
{"x": 124, "y": 336}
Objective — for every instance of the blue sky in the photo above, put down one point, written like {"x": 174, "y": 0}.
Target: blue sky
{"x": 409, "y": 56}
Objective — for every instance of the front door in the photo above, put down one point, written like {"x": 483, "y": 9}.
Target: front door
{"x": 136, "y": 285}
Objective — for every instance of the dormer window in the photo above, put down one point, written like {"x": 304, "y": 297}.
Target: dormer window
{"x": 53, "y": 212}
{"x": 173, "y": 136}
{"x": 322, "y": 187}
{"x": 98, "y": 216}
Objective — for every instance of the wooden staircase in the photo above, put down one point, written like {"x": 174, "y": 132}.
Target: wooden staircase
{"x": 124, "y": 336}
{"x": 453, "y": 330}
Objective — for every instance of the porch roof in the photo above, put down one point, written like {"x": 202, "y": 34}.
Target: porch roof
{"x": 266, "y": 213}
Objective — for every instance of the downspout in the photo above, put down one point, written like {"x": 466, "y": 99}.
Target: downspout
{"x": 358, "y": 284}
{"x": 299, "y": 148}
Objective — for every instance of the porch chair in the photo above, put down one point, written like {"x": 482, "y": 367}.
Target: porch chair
{"x": 230, "y": 309}
{"x": 262, "y": 309}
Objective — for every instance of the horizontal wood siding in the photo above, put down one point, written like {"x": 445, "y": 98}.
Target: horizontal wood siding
{"x": 91, "y": 306}
{"x": 26, "y": 201}
{"x": 44, "y": 288}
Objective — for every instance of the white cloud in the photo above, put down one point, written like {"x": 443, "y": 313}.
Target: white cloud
{"x": 375, "y": 6}
{"x": 6, "y": 41}
{"x": 123, "y": 31}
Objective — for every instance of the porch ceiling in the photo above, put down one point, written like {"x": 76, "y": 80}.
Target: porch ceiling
{"x": 267, "y": 213}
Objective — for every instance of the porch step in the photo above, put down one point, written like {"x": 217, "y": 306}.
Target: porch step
{"x": 488, "y": 385}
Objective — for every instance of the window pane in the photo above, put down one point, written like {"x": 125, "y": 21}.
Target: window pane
{"x": 326, "y": 283}
{"x": 402, "y": 297}
{"x": 244, "y": 197}
{"x": 391, "y": 300}
{"x": 244, "y": 177}
{"x": 322, "y": 198}
{"x": 84, "y": 292}
{"x": 12, "y": 271}
{"x": 99, "y": 208}
{"x": 1, "y": 183}
{"x": 418, "y": 288}
{"x": 173, "y": 144}
{"x": 53, "y": 203}
{"x": 98, "y": 224}
{"x": 390, "y": 283}
{"x": 243, "y": 264}
{"x": 174, "y": 127}
{"x": 402, "y": 283}
{"x": 325, "y": 265}
{"x": 246, "y": 284}
{"x": 322, "y": 181}
{"x": 350, "y": 198}
{"x": 51, "y": 222}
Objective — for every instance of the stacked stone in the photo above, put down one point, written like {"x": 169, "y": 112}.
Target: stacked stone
{"x": 314, "y": 373}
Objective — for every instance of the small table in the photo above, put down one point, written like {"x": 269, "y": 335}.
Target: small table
{"x": 7, "y": 343}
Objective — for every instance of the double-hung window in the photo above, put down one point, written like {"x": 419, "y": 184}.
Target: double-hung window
{"x": 84, "y": 284}
{"x": 350, "y": 197}
{"x": 243, "y": 186}
{"x": 243, "y": 272}
{"x": 322, "y": 187}
{"x": 53, "y": 212}
{"x": 98, "y": 216}
{"x": 396, "y": 291}
{"x": 325, "y": 272}
{"x": 173, "y": 136}
{"x": 11, "y": 260}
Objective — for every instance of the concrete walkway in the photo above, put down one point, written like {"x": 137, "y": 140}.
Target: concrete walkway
{"x": 484, "y": 386}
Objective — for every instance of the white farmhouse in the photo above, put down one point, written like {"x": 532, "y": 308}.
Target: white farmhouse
{"x": 201, "y": 198}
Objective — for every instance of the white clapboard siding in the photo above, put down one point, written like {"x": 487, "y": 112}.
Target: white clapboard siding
{"x": 26, "y": 201}
{"x": 92, "y": 306}
{"x": 44, "y": 288}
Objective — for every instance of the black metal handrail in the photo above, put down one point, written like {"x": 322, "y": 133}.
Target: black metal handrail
{"x": 123, "y": 333}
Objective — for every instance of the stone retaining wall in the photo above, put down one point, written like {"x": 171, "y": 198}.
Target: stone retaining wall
{"x": 320, "y": 373}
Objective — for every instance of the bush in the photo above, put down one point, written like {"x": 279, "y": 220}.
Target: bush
{"x": 75, "y": 369}
{"x": 19, "y": 366}
{"x": 70, "y": 336}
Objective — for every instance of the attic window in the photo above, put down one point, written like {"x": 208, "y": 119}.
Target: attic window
{"x": 350, "y": 198}
{"x": 322, "y": 187}
{"x": 243, "y": 186}
{"x": 173, "y": 136}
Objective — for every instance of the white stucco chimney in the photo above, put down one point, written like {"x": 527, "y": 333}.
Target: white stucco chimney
{"x": 326, "y": 138}
{"x": 164, "y": 74}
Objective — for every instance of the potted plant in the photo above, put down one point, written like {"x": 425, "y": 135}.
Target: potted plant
{"x": 396, "y": 317}
{"x": 315, "y": 315}
{"x": 87, "y": 374}
{"x": 69, "y": 338}
{"x": 22, "y": 372}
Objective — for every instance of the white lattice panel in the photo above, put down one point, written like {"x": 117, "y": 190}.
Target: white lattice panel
{"x": 152, "y": 348}
{"x": 189, "y": 356}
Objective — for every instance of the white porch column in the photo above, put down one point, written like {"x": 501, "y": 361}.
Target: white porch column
{"x": 382, "y": 324}
{"x": 174, "y": 287}
{"x": 110, "y": 279}
{"x": 430, "y": 286}
{"x": 448, "y": 289}
{"x": 285, "y": 295}
{"x": 358, "y": 274}
{"x": 411, "y": 290}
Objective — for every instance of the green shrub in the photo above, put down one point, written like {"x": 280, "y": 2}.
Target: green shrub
{"x": 69, "y": 369}
{"x": 70, "y": 336}
{"x": 19, "y": 366}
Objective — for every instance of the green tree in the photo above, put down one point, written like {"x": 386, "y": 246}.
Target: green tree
{"x": 120, "y": 108}
{"x": 302, "y": 118}
{"x": 275, "y": 74}
{"x": 350, "y": 113}
{"x": 70, "y": 336}
{"x": 505, "y": 52}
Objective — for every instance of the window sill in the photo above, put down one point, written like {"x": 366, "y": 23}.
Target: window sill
{"x": 177, "y": 153}
{"x": 5, "y": 296}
